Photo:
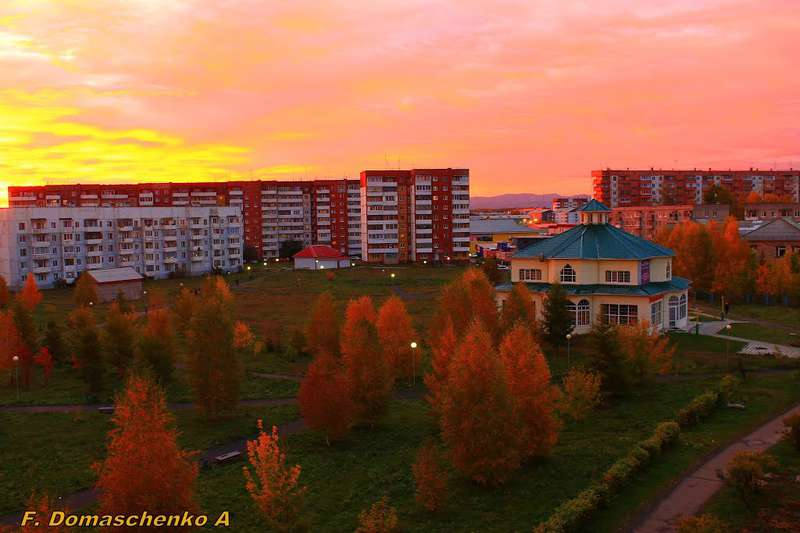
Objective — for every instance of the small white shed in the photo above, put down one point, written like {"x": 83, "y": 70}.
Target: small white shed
{"x": 320, "y": 257}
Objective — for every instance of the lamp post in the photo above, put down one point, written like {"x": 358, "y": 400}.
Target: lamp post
{"x": 16, "y": 373}
{"x": 727, "y": 344}
{"x": 569, "y": 338}
{"x": 146, "y": 306}
{"x": 413, "y": 362}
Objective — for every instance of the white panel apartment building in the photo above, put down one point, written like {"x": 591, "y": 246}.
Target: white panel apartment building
{"x": 59, "y": 243}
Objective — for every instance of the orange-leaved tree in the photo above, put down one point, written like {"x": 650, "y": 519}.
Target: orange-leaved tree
{"x": 119, "y": 338}
{"x": 44, "y": 506}
{"x": 86, "y": 348}
{"x": 470, "y": 297}
{"x": 478, "y": 420}
{"x": 145, "y": 469}
{"x": 185, "y": 305}
{"x": 44, "y": 360}
{"x": 84, "y": 292}
{"x": 243, "y": 338}
{"x": 379, "y": 518}
{"x": 430, "y": 477}
{"x": 581, "y": 393}
{"x": 534, "y": 398}
{"x": 156, "y": 347}
{"x": 29, "y": 296}
{"x": 442, "y": 354}
{"x": 324, "y": 398}
{"x": 519, "y": 308}
{"x": 646, "y": 352}
{"x": 272, "y": 483}
{"x": 322, "y": 328}
{"x": 369, "y": 374}
{"x": 396, "y": 333}
{"x": 10, "y": 341}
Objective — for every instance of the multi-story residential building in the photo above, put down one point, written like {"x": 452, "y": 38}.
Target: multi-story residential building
{"x": 647, "y": 221}
{"x": 414, "y": 215}
{"x": 61, "y": 242}
{"x": 610, "y": 276}
{"x": 569, "y": 202}
{"x": 622, "y": 188}
{"x": 312, "y": 212}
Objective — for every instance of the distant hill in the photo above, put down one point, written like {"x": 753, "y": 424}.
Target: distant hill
{"x": 514, "y": 200}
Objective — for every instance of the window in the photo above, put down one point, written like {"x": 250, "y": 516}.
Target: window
{"x": 669, "y": 269}
{"x": 530, "y": 274}
{"x": 619, "y": 313}
{"x": 567, "y": 274}
{"x": 580, "y": 313}
{"x": 682, "y": 307}
{"x": 618, "y": 276}
{"x": 780, "y": 251}
{"x": 656, "y": 318}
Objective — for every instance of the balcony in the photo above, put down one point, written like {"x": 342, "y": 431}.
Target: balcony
{"x": 94, "y": 253}
{"x": 171, "y": 260}
{"x": 94, "y": 266}
{"x": 198, "y": 258}
{"x": 40, "y": 229}
{"x": 94, "y": 241}
{"x": 125, "y": 227}
{"x": 41, "y": 269}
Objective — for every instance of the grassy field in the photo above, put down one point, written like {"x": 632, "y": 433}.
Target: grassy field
{"x": 777, "y": 501}
{"x": 779, "y": 315}
{"x": 54, "y": 452}
{"x": 762, "y": 333}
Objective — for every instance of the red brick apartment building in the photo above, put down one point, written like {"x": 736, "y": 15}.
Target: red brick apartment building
{"x": 623, "y": 188}
{"x": 414, "y": 215}
{"x": 313, "y": 212}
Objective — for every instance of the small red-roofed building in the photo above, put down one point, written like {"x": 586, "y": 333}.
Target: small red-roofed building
{"x": 320, "y": 257}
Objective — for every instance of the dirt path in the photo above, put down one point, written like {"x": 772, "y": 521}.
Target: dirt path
{"x": 695, "y": 489}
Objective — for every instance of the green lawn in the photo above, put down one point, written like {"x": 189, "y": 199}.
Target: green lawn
{"x": 53, "y": 452}
{"x": 757, "y": 332}
{"x": 781, "y": 315}
{"x": 777, "y": 501}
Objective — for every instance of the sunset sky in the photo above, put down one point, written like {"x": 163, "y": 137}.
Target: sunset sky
{"x": 530, "y": 95}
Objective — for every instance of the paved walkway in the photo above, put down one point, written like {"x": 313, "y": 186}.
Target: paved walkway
{"x": 71, "y": 408}
{"x": 751, "y": 347}
{"x": 689, "y": 496}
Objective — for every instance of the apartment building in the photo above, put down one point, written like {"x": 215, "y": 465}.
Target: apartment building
{"x": 414, "y": 215}
{"x": 58, "y": 243}
{"x": 623, "y": 188}
{"x": 647, "y": 221}
{"x": 569, "y": 202}
{"x": 312, "y": 212}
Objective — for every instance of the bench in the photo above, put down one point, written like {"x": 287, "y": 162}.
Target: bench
{"x": 227, "y": 457}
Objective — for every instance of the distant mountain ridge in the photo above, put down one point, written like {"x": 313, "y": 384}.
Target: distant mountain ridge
{"x": 509, "y": 201}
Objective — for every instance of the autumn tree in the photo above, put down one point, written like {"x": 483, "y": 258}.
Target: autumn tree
{"x": 557, "y": 320}
{"x": 478, "y": 420}
{"x": 732, "y": 261}
{"x": 44, "y": 360}
{"x": 84, "y": 293}
{"x": 29, "y": 297}
{"x": 185, "y": 305}
{"x": 646, "y": 352}
{"x": 272, "y": 483}
{"x": 44, "y": 506}
{"x": 119, "y": 338}
{"x": 519, "y": 308}
{"x": 214, "y": 362}
{"x": 581, "y": 393}
{"x": 607, "y": 359}
{"x": 272, "y": 332}
{"x": 491, "y": 271}
{"x": 243, "y": 338}
{"x": 379, "y": 518}
{"x": 528, "y": 379}
{"x": 86, "y": 348}
{"x": 22, "y": 312}
{"x": 324, "y": 398}
{"x": 4, "y": 294}
{"x": 442, "y": 354}
{"x": 10, "y": 342}
{"x": 54, "y": 341}
{"x": 430, "y": 478}
{"x": 694, "y": 252}
{"x": 322, "y": 328}
{"x": 156, "y": 347}
{"x": 144, "y": 469}
{"x": 396, "y": 333}
{"x": 369, "y": 373}
{"x": 470, "y": 297}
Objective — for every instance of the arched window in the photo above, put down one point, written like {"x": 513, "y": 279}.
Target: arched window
{"x": 567, "y": 274}
{"x": 583, "y": 314}
{"x": 683, "y": 306}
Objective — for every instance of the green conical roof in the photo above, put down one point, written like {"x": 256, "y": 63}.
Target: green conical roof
{"x": 595, "y": 207}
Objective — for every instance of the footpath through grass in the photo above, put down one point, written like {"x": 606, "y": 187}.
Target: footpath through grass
{"x": 757, "y": 332}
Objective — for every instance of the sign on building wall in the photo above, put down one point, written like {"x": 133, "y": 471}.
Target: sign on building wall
{"x": 644, "y": 271}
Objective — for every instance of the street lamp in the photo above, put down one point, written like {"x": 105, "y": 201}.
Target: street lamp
{"x": 727, "y": 344}
{"x": 569, "y": 338}
{"x": 413, "y": 362}
{"x": 391, "y": 275}
{"x": 16, "y": 373}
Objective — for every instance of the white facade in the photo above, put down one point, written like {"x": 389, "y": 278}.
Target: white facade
{"x": 59, "y": 243}
{"x": 310, "y": 263}
{"x": 286, "y": 216}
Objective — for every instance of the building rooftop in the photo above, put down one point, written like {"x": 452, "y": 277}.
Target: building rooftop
{"x": 594, "y": 241}
{"x": 113, "y": 275}
{"x": 594, "y": 207}
{"x": 779, "y": 229}
{"x": 499, "y": 225}
{"x": 319, "y": 251}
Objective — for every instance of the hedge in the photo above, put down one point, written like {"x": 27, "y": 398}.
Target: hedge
{"x": 574, "y": 513}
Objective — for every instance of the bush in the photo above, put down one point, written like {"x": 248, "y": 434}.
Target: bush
{"x": 745, "y": 473}
{"x": 792, "y": 424}
{"x": 380, "y": 518}
{"x": 699, "y": 408}
{"x": 702, "y": 524}
{"x": 572, "y": 514}
{"x": 728, "y": 386}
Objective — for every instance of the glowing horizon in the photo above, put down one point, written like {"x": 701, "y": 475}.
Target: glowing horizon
{"x": 531, "y": 96}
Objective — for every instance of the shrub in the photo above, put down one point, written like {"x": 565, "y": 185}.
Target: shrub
{"x": 745, "y": 472}
{"x": 618, "y": 475}
{"x": 728, "y": 386}
{"x": 699, "y": 408}
{"x": 581, "y": 393}
{"x": 379, "y": 518}
{"x": 792, "y": 424}
{"x": 702, "y": 524}
{"x": 272, "y": 331}
{"x": 570, "y": 515}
